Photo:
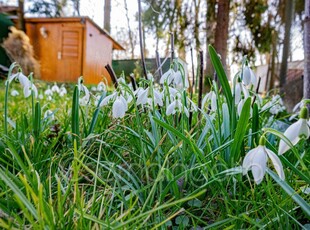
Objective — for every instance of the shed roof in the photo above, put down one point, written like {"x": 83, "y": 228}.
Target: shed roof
{"x": 116, "y": 45}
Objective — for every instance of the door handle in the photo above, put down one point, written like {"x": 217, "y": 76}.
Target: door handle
{"x": 59, "y": 55}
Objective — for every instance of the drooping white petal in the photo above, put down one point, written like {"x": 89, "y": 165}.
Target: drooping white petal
{"x": 171, "y": 108}
{"x": 256, "y": 160}
{"x": 158, "y": 98}
{"x": 304, "y": 131}
{"x": 118, "y": 109}
{"x": 292, "y": 133}
{"x": 12, "y": 77}
{"x": 253, "y": 78}
{"x": 165, "y": 76}
{"x": 240, "y": 106}
{"x": 205, "y": 99}
{"x": 35, "y": 90}
{"x": 213, "y": 101}
{"x": 55, "y": 88}
{"x": 106, "y": 100}
{"x": 177, "y": 78}
{"x": 259, "y": 164}
{"x": 247, "y": 161}
{"x": 276, "y": 163}
{"x": 142, "y": 96}
{"x": 14, "y": 93}
{"x": 237, "y": 93}
{"x": 123, "y": 100}
{"x": 246, "y": 75}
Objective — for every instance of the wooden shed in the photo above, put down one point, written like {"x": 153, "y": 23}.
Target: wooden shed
{"x": 68, "y": 48}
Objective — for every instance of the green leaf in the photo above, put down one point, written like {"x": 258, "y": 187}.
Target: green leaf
{"x": 19, "y": 194}
{"x": 291, "y": 192}
{"x": 75, "y": 114}
{"x": 240, "y": 130}
{"x": 217, "y": 64}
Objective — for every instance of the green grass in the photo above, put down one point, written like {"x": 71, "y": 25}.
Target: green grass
{"x": 147, "y": 170}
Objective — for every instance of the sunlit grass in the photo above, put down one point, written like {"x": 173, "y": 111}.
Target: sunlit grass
{"x": 79, "y": 167}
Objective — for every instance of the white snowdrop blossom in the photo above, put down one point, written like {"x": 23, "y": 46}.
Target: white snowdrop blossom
{"x": 158, "y": 97}
{"x": 14, "y": 93}
{"x": 49, "y": 115}
{"x": 275, "y": 105}
{"x": 249, "y": 77}
{"x": 62, "y": 91}
{"x": 82, "y": 88}
{"x": 48, "y": 92}
{"x": 142, "y": 96}
{"x": 150, "y": 76}
{"x": 107, "y": 99}
{"x": 27, "y": 85}
{"x": 101, "y": 87}
{"x": 256, "y": 161}
{"x": 167, "y": 77}
{"x": 296, "y": 131}
{"x": 210, "y": 97}
{"x": 119, "y": 107}
{"x": 55, "y": 88}
{"x": 176, "y": 105}
{"x": 240, "y": 90}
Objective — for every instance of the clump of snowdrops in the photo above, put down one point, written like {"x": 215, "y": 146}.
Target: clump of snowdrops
{"x": 146, "y": 156}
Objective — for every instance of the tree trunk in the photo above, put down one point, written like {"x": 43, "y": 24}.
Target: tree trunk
{"x": 286, "y": 42}
{"x": 221, "y": 32}
{"x": 132, "y": 46}
{"x": 307, "y": 50}
{"x": 21, "y": 19}
{"x": 107, "y": 15}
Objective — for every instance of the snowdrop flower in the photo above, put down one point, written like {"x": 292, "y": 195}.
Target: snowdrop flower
{"x": 249, "y": 77}
{"x": 27, "y": 85}
{"x": 49, "y": 115}
{"x": 240, "y": 90}
{"x": 296, "y": 131}
{"x": 82, "y": 88}
{"x": 119, "y": 107}
{"x": 150, "y": 76}
{"x": 167, "y": 77}
{"x": 179, "y": 82}
{"x": 158, "y": 98}
{"x": 175, "y": 106}
{"x": 101, "y": 87}
{"x": 55, "y": 88}
{"x": 107, "y": 99}
{"x": 210, "y": 97}
{"x": 14, "y": 93}
{"x": 48, "y": 92}
{"x": 62, "y": 91}
{"x": 256, "y": 160}
{"x": 142, "y": 96}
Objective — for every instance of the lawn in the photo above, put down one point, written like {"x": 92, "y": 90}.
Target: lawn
{"x": 82, "y": 157}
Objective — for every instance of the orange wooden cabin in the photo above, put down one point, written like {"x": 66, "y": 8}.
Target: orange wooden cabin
{"x": 68, "y": 48}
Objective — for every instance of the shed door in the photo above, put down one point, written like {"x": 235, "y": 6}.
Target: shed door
{"x": 69, "y": 56}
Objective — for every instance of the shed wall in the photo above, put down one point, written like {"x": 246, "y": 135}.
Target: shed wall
{"x": 97, "y": 54}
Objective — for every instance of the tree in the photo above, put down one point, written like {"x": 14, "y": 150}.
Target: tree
{"x": 307, "y": 50}
{"x": 52, "y": 8}
{"x": 286, "y": 43}
{"x": 107, "y": 15}
{"x": 130, "y": 34}
{"x": 221, "y": 32}
{"x": 21, "y": 19}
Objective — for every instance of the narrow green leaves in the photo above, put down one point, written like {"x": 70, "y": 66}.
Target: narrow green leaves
{"x": 217, "y": 64}
{"x": 75, "y": 114}
{"x": 240, "y": 130}
{"x": 37, "y": 120}
{"x": 291, "y": 192}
